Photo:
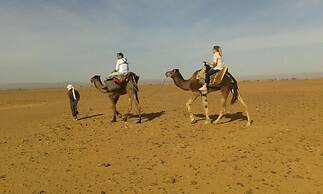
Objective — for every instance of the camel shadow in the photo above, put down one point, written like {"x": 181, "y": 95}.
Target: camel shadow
{"x": 146, "y": 117}
{"x": 235, "y": 116}
{"x": 91, "y": 116}
{"x": 231, "y": 116}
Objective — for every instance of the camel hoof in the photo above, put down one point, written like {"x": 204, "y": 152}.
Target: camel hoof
{"x": 193, "y": 121}
{"x": 113, "y": 120}
{"x": 216, "y": 122}
{"x": 207, "y": 122}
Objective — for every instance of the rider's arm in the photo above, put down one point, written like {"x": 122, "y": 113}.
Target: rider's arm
{"x": 117, "y": 66}
{"x": 214, "y": 63}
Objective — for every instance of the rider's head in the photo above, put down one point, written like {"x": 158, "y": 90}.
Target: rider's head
{"x": 119, "y": 55}
{"x": 217, "y": 49}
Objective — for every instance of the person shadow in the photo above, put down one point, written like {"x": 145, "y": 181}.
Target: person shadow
{"x": 91, "y": 116}
{"x": 231, "y": 116}
{"x": 146, "y": 117}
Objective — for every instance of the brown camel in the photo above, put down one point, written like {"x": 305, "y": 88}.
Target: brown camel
{"x": 129, "y": 87}
{"x": 193, "y": 84}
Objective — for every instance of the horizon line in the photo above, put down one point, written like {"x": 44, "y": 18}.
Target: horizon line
{"x": 39, "y": 85}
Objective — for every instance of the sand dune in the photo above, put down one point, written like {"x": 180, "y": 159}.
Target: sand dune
{"x": 44, "y": 151}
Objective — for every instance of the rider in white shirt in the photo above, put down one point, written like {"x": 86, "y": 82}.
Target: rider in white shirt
{"x": 122, "y": 65}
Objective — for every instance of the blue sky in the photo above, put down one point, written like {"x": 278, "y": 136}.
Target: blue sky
{"x": 71, "y": 40}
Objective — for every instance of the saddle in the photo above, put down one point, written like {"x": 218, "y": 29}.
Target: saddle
{"x": 215, "y": 79}
{"x": 121, "y": 79}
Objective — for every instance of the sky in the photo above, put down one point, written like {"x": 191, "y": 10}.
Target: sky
{"x": 72, "y": 40}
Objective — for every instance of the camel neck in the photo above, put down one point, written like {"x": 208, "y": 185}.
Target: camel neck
{"x": 98, "y": 84}
{"x": 181, "y": 82}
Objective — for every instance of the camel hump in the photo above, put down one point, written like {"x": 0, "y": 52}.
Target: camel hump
{"x": 123, "y": 78}
{"x": 132, "y": 75}
{"x": 200, "y": 74}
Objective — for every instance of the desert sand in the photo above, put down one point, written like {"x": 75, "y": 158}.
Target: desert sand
{"x": 42, "y": 150}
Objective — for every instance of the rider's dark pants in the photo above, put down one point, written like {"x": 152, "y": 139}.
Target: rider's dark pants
{"x": 209, "y": 71}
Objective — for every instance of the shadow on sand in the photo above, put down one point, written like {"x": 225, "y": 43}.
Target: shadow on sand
{"x": 231, "y": 116}
{"x": 148, "y": 116}
{"x": 91, "y": 116}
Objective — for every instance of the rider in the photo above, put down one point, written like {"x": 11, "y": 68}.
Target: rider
{"x": 213, "y": 67}
{"x": 122, "y": 66}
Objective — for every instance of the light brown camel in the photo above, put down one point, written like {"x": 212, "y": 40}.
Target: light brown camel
{"x": 193, "y": 84}
{"x": 129, "y": 87}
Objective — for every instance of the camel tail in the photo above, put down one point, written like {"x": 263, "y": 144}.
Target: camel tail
{"x": 235, "y": 93}
{"x": 136, "y": 96}
{"x": 234, "y": 88}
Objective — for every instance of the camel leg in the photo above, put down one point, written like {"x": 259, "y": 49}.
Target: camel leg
{"x": 225, "y": 93}
{"x": 206, "y": 109}
{"x": 188, "y": 105}
{"x": 246, "y": 110}
{"x": 130, "y": 99}
{"x": 118, "y": 114}
{"x": 114, "y": 100}
{"x": 138, "y": 107}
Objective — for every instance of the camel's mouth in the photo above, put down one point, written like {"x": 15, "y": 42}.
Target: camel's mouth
{"x": 168, "y": 74}
{"x": 94, "y": 78}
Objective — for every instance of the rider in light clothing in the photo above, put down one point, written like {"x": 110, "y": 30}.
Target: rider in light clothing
{"x": 122, "y": 66}
{"x": 213, "y": 67}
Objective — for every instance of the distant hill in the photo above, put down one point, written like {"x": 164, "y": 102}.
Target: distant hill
{"x": 4, "y": 86}
{"x": 283, "y": 76}
{"x": 39, "y": 85}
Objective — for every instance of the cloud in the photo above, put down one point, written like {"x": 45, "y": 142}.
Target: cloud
{"x": 304, "y": 38}
{"x": 72, "y": 40}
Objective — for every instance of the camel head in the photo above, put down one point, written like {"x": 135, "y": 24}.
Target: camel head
{"x": 95, "y": 78}
{"x": 172, "y": 73}
{"x": 96, "y": 81}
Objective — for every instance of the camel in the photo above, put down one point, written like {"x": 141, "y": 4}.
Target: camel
{"x": 129, "y": 87}
{"x": 193, "y": 84}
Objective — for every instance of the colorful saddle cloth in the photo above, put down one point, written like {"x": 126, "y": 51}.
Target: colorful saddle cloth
{"x": 118, "y": 78}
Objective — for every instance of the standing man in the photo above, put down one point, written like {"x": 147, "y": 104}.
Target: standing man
{"x": 74, "y": 97}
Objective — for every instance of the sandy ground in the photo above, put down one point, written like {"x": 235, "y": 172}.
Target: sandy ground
{"x": 42, "y": 150}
